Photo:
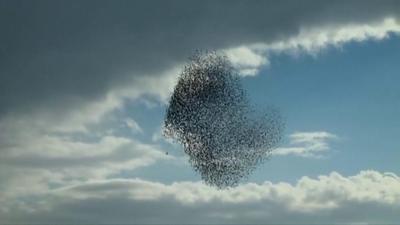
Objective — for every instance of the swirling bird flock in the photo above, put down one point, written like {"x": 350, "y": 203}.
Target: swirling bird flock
{"x": 210, "y": 114}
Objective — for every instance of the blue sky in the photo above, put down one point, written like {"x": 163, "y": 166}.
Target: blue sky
{"x": 82, "y": 103}
{"x": 351, "y": 92}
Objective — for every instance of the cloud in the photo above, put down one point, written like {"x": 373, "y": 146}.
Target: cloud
{"x": 41, "y": 162}
{"x": 251, "y": 58}
{"x": 246, "y": 60}
{"x": 53, "y": 63}
{"x": 369, "y": 196}
{"x": 307, "y": 144}
{"x": 314, "y": 39}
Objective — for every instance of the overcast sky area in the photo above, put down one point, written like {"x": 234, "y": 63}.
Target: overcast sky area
{"x": 84, "y": 86}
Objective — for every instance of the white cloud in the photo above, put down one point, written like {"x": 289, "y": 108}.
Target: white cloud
{"x": 39, "y": 162}
{"x": 246, "y": 60}
{"x": 369, "y": 196}
{"x": 314, "y": 39}
{"x": 250, "y": 58}
{"x": 307, "y": 144}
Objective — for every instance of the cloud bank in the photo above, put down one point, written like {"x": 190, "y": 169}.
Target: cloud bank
{"x": 369, "y": 196}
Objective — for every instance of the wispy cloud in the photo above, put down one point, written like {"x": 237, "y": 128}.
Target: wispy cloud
{"x": 133, "y": 125}
{"x": 250, "y": 58}
{"x": 307, "y": 144}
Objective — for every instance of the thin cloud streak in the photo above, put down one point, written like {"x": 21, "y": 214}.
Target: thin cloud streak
{"x": 307, "y": 144}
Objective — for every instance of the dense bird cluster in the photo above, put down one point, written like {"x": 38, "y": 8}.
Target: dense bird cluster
{"x": 210, "y": 115}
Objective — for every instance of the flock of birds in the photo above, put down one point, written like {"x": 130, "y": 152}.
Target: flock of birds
{"x": 210, "y": 114}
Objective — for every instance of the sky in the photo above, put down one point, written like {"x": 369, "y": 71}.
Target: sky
{"x": 84, "y": 86}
